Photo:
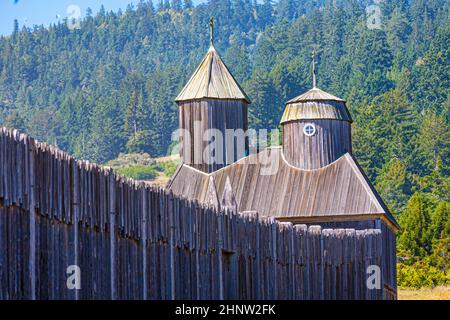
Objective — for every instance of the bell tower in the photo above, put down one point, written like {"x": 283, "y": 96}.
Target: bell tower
{"x": 213, "y": 112}
{"x": 316, "y": 128}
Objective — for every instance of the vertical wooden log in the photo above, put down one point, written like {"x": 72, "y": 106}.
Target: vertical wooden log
{"x": 144, "y": 249}
{"x": 32, "y": 217}
{"x": 327, "y": 235}
{"x": 315, "y": 275}
{"x": 321, "y": 263}
{"x": 257, "y": 277}
{"x": 274, "y": 257}
{"x": 220, "y": 234}
{"x": 301, "y": 256}
{"x": 73, "y": 188}
{"x": 112, "y": 234}
{"x": 171, "y": 245}
{"x": 348, "y": 262}
{"x": 197, "y": 251}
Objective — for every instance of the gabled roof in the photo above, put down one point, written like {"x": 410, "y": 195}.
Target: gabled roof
{"x": 315, "y": 94}
{"x": 339, "y": 190}
{"x": 212, "y": 80}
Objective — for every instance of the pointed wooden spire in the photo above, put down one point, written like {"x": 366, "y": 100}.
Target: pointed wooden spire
{"x": 228, "y": 199}
{"x": 211, "y": 31}
{"x": 314, "y": 68}
{"x": 212, "y": 79}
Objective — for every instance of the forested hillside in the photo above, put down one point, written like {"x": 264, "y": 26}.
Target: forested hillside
{"x": 109, "y": 87}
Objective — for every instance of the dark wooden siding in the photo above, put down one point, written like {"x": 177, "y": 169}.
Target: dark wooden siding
{"x": 389, "y": 262}
{"x": 211, "y": 114}
{"x": 331, "y": 140}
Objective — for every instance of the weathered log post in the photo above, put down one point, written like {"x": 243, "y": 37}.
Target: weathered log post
{"x": 144, "y": 249}
{"x": 172, "y": 243}
{"x": 273, "y": 227}
{"x": 112, "y": 234}
{"x": 32, "y": 213}
{"x": 219, "y": 252}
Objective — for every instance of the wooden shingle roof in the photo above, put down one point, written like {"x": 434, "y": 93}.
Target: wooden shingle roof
{"x": 316, "y": 104}
{"x": 212, "y": 80}
{"x": 338, "y": 190}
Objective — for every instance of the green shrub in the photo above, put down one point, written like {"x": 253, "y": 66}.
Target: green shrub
{"x": 421, "y": 274}
{"x": 139, "y": 172}
{"x": 167, "y": 167}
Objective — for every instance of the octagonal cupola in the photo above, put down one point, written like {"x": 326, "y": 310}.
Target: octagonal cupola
{"x": 211, "y": 105}
{"x": 316, "y": 128}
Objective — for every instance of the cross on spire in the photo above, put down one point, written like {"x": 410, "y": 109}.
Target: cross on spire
{"x": 314, "y": 68}
{"x": 211, "y": 31}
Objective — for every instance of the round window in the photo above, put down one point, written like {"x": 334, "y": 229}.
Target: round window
{"x": 309, "y": 129}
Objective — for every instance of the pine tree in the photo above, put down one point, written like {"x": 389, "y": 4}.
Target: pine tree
{"x": 392, "y": 119}
{"x": 265, "y": 13}
{"x": 131, "y": 120}
{"x": 439, "y": 221}
{"x": 237, "y": 59}
{"x": 365, "y": 150}
{"x": 437, "y": 183}
{"x": 264, "y": 97}
{"x": 177, "y": 5}
{"x": 440, "y": 258}
{"x": 415, "y": 223}
{"x": 434, "y": 140}
{"x": 398, "y": 30}
{"x": 188, "y": 4}
{"x": 15, "y": 29}
{"x": 15, "y": 121}
{"x": 106, "y": 130}
{"x": 431, "y": 73}
{"x": 394, "y": 185}
{"x": 288, "y": 9}
{"x": 166, "y": 4}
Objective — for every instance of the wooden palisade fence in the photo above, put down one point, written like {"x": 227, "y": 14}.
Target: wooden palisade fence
{"x": 132, "y": 240}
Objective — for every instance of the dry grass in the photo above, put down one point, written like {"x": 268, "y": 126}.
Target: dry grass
{"x": 167, "y": 158}
{"x": 131, "y": 159}
{"x": 161, "y": 179}
{"x": 438, "y": 293}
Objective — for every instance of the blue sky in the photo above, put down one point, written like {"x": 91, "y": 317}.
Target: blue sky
{"x": 36, "y": 12}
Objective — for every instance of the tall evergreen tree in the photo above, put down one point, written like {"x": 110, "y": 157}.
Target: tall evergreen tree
{"x": 434, "y": 141}
{"x": 394, "y": 185}
{"x": 415, "y": 222}
{"x": 439, "y": 221}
